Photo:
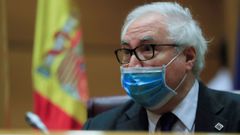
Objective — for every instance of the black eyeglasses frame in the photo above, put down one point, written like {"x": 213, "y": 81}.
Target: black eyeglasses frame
{"x": 132, "y": 51}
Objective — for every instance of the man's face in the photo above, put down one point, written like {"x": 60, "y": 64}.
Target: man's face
{"x": 149, "y": 29}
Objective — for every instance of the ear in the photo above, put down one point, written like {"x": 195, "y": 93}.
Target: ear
{"x": 190, "y": 54}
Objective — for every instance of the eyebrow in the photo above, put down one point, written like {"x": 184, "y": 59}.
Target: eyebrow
{"x": 144, "y": 39}
{"x": 124, "y": 42}
{"x": 147, "y": 38}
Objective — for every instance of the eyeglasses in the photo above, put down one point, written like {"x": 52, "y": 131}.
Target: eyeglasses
{"x": 143, "y": 52}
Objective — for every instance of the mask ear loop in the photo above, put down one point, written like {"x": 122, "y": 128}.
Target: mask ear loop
{"x": 183, "y": 79}
{"x": 173, "y": 59}
{"x": 165, "y": 67}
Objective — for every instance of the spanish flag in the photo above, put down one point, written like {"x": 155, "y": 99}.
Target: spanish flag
{"x": 59, "y": 77}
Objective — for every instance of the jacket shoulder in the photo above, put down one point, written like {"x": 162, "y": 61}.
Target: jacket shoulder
{"x": 107, "y": 120}
{"x": 227, "y": 98}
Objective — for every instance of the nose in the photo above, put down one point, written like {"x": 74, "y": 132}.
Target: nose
{"x": 134, "y": 62}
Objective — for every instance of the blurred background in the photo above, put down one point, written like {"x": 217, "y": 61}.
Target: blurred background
{"x": 100, "y": 22}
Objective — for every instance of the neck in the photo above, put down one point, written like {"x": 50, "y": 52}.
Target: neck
{"x": 182, "y": 92}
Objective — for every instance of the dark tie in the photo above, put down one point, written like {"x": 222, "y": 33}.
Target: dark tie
{"x": 166, "y": 122}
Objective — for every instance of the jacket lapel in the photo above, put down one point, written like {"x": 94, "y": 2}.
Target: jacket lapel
{"x": 207, "y": 119}
{"x": 134, "y": 119}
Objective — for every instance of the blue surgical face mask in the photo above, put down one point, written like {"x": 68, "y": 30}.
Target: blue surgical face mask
{"x": 147, "y": 85}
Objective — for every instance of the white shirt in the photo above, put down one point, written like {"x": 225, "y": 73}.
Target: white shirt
{"x": 185, "y": 111}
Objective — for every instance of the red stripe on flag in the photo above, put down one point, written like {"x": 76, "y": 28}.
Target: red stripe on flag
{"x": 53, "y": 116}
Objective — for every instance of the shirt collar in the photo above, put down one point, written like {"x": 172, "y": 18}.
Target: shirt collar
{"x": 152, "y": 120}
{"x": 186, "y": 110}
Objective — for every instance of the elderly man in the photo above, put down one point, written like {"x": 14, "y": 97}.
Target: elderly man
{"x": 161, "y": 56}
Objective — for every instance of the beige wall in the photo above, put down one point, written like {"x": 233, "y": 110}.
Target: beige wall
{"x": 231, "y": 16}
{"x": 101, "y": 22}
{"x": 4, "y": 70}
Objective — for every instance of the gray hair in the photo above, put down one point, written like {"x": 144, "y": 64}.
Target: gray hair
{"x": 181, "y": 27}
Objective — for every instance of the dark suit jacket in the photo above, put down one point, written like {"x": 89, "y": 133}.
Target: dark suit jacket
{"x": 213, "y": 107}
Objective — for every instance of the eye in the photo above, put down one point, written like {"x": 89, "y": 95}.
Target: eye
{"x": 145, "y": 48}
{"x": 158, "y": 48}
{"x": 123, "y": 52}
{"x": 144, "y": 52}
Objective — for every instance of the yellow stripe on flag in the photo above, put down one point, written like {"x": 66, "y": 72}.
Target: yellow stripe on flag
{"x": 51, "y": 16}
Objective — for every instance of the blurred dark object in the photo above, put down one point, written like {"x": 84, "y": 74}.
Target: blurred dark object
{"x": 223, "y": 53}
{"x": 98, "y": 105}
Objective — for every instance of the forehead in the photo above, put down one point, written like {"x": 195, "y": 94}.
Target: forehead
{"x": 149, "y": 26}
